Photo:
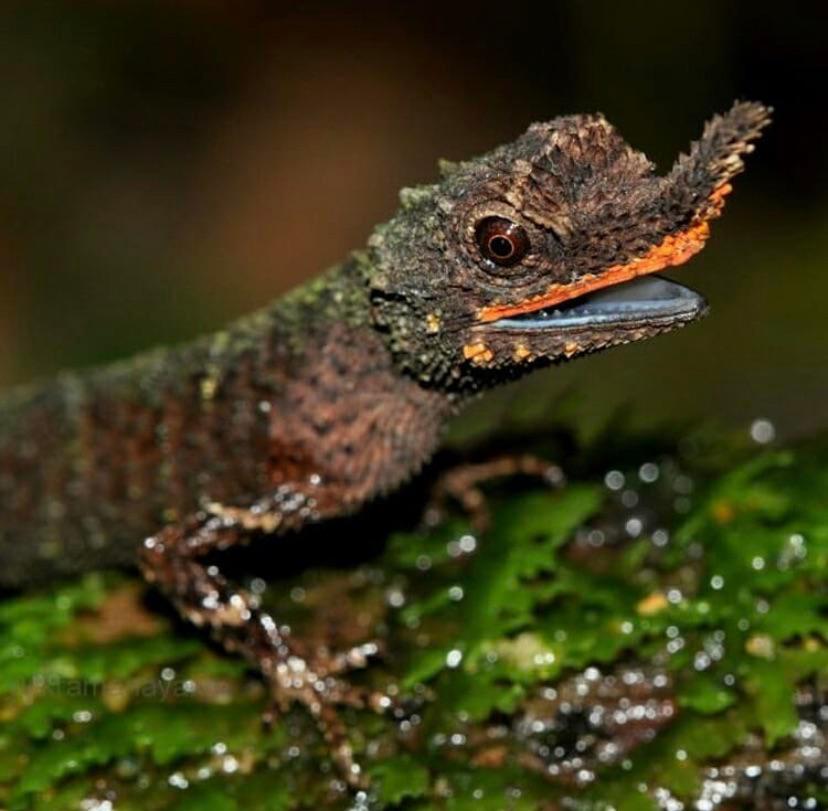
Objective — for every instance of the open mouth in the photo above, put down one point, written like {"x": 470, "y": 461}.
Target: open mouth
{"x": 645, "y": 300}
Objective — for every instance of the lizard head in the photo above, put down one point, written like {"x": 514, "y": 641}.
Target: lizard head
{"x": 544, "y": 249}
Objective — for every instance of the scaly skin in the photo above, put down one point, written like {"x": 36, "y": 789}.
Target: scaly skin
{"x": 93, "y": 463}
{"x": 338, "y": 392}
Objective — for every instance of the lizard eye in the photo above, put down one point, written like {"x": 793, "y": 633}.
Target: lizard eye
{"x": 502, "y": 241}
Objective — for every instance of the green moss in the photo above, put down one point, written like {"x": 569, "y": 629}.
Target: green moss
{"x": 697, "y": 595}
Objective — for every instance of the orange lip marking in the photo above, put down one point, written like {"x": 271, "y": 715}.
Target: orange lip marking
{"x": 673, "y": 250}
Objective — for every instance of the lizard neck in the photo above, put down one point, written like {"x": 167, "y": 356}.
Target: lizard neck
{"x": 373, "y": 424}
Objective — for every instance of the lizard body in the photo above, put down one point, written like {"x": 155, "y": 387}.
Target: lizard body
{"x": 93, "y": 462}
{"x": 538, "y": 252}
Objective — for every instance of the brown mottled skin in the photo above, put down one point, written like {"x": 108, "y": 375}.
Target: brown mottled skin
{"x": 338, "y": 392}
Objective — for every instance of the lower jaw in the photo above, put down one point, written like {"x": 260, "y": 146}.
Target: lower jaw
{"x": 632, "y": 305}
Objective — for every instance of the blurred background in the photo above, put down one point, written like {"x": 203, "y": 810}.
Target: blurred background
{"x": 168, "y": 166}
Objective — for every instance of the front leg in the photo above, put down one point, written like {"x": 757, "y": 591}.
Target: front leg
{"x": 173, "y": 560}
{"x": 463, "y": 484}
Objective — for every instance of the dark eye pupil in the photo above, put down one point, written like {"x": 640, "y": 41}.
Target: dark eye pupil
{"x": 501, "y": 246}
{"x": 502, "y": 241}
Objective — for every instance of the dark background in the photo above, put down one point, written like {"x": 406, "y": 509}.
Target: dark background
{"x": 165, "y": 167}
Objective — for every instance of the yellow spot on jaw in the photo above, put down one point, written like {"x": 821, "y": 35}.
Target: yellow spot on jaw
{"x": 570, "y": 348}
{"x": 432, "y": 323}
{"x": 477, "y": 353}
{"x": 521, "y": 352}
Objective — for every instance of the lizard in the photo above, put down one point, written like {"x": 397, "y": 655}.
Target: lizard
{"x": 540, "y": 251}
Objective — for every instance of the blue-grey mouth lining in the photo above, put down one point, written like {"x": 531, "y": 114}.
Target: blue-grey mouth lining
{"x": 650, "y": 298}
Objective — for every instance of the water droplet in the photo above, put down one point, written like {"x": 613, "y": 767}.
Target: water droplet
{"x": 648, "y": 472}
{"x": 762, "y": 431}
{"x": 614, "y": 480}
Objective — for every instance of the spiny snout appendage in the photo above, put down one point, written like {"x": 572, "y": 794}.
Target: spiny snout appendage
{"x": 699, "y": 180}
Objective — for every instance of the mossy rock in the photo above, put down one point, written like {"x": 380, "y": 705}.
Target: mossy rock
{"x": 649, "y": 636}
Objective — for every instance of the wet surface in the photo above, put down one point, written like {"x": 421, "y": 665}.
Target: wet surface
{"x": 652, "y": 636}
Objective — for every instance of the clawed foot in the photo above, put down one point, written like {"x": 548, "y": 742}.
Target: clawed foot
{"x": 462, "y": 484}
{"x": 318, "y": 685}
{"x": 174, "y": 560}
